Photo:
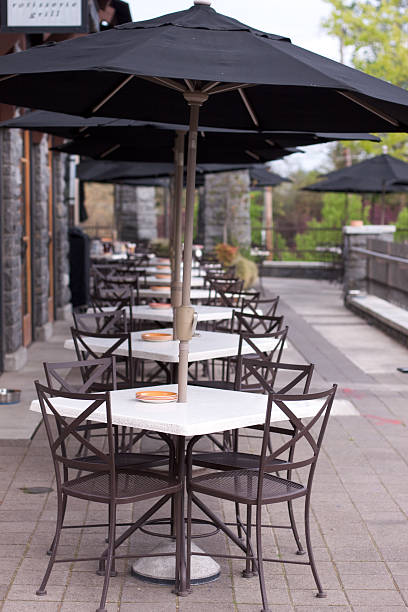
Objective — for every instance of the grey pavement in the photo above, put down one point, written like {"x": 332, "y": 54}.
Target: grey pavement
{"x": 359, "y": 503}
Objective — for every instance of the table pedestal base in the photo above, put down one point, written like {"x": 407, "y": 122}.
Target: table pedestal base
{"x": 161, "y": 570}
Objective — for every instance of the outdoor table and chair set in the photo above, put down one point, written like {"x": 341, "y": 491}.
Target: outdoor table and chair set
{"x": 99, "y": 409}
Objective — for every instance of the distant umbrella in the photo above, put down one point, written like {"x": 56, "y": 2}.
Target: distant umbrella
{"x": 381, "y": 174}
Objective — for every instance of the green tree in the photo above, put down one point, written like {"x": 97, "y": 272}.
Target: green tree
{"x": 375, "y": 32}
{"x": 402, "y": 226}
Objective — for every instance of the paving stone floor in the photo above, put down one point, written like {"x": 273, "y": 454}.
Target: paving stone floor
{"x": 359, "y": 503}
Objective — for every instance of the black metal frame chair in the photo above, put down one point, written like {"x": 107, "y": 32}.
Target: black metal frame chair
{"x": 104, "y": 482}
{"x": 258, "y": 486}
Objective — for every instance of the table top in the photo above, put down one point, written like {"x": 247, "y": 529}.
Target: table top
{"x": 206, "y": 410}
{"x": 195, "y": 294}
{"x": 205, "y": 345}
{"x": 196, "y": 281}
{"x": 204, "y": 313}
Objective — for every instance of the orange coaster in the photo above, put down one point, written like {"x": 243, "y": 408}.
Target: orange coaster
{"x": 163, "y": 276}
{"x": 159, "y": 288}
{"x": 164, "y": 261}
{"x": 159, "y": 306}
{"x": 157, "y": 337}
{"x": 156, "y": 397}
{"x": 166, "y": 268}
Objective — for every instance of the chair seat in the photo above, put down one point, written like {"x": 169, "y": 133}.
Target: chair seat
{"x": 123, "y": 460}
{"x": 242, "y": 486}
{"x": 230, "y": 461}
{"x": 130, "y": 486}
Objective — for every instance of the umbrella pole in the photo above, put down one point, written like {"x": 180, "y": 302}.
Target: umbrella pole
{"x": 185, "y": 313}
{"x": 177, "y": 224}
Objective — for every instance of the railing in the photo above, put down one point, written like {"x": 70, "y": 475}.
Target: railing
{"x": 288, "y": 243}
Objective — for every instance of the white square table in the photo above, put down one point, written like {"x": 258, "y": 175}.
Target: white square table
{"x": 204, "y": 313}
{"x": 196, "y": 281}
{"x": 195, "y": 294}
{"x": 205, "y": 345}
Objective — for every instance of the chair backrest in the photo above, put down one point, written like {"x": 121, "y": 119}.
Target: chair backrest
{"x": 101, "y": 322}
{"x": 72, "y": 430}
{"x": 87, "y": 346}
{"x": 315, "y": 407}
{"x": 257, "y": 323}
{"x": 225, "y": 292}
{"x": 249, "y": 341}
{"x": 267, "y": 307}
{"x": 81, "y": 376}
{"x": 119, "y": 287}
{"x": 281, "y": 377}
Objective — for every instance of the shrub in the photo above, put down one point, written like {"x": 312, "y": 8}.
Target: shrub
{"x": 226, "y": 254}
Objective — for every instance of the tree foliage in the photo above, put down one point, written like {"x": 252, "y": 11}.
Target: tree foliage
{"x": 375, "y": 32}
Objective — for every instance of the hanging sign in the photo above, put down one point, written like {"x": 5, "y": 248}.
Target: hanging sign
{"x": 37, "y": 16}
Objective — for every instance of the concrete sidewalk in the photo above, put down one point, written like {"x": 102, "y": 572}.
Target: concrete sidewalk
{"x": 359, "y": 503}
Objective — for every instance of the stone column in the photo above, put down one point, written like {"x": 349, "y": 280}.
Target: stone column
{"x": 135, "y": 213}
{"x": 227, "y": 209}
{"x": 15, "y": 354}
{"x": 355, "y": 264}
{"x": 61, "y": 243}
{"x": 39, "y": 203}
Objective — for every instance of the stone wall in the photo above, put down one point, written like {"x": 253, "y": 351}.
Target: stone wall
{"x": 227, "y": 209}
{"x": 11, "y": 150}
{"x": 61, "y": 244}
{"x": 135, "y": 213}
{"x": 39, "y": 203}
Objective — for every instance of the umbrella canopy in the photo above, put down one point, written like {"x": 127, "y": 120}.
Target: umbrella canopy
{"x": 375, "y": 175}
{"x": 272, "y": 84}
{"x": 150, "y": 146}
{"x": 147, "y": 174}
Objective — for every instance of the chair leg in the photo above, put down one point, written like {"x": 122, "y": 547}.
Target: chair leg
{"x": 109, "y": 558}
{"x": 248, "y": 572}
{"x": 320, "y": 592}
{"x": 295, "y": 532}
{"x": 238, "y": 519}
{"x": 261, "y": 575}
{"x": 64, "y": 507}
{"x": 189, "y": 540}
{"x": 54, "y": 547}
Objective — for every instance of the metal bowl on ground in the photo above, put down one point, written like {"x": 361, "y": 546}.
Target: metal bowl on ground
{"x": 9, "y": 396}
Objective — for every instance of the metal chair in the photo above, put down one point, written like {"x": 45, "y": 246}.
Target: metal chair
{"x": 105, "y": 482}
{"x": 258, "y": 486}
{"x": 101, "y": 322}
{"x": 117, "y": 298}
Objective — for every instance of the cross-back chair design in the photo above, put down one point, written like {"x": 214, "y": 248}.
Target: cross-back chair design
{"x": 251, "y": 305}
{"x": 258, "y": 486}
{"x": 282, "y": 378}
{"x": 101, "y": 322}
{"x": 224, "y": 292}
{"x": 104, "y": 481}
{"x": 121, "y": 287}
{"x": 119, "y": 340}
{"x": 118, "y": 298}
{"x": 257, "y": 323}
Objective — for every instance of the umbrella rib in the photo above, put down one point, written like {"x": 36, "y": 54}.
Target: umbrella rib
{"x": 166, "y": 82}
{"x": 111, "y": 150}
{"x": 253, "y": 155}
{"x": 210, "y": 86}
{"x": 248, "y": 106}
{"x": 354, "y": 98}
{"x": 6, "y": 78}
{"x": 227, "y": 87}
{"x": 112, "y": 93}
{"x": 189, "y": 84}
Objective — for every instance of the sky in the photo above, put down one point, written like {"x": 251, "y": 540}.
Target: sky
{"x": 298, "y": 19}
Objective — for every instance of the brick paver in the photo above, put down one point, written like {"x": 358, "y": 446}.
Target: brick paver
{"x": 360, "y": 499}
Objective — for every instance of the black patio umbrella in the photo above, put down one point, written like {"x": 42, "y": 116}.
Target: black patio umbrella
{"x": 151, "y": 147}
{"x": 372, "y": 175}
{"x": 261, "y": 177}
{"x": 241, "y": 77}
{"x": 72, "y": 126}
{"x": 381, "y": 174}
